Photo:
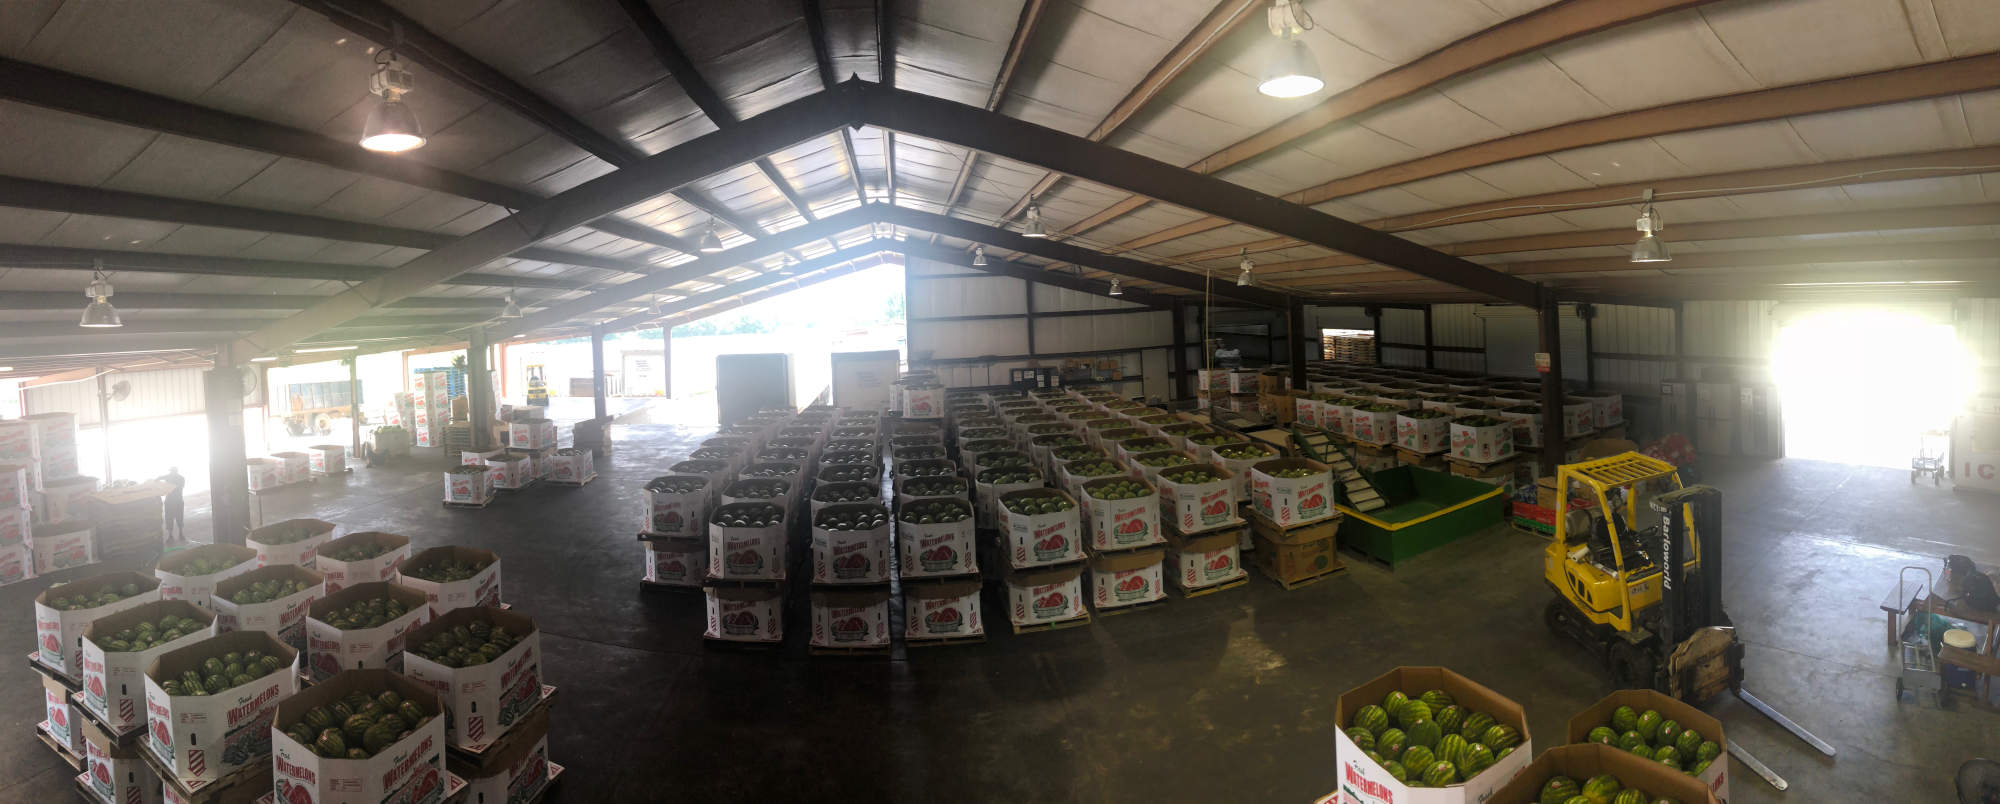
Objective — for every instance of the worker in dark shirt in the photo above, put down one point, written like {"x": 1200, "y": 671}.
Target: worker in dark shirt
{"x": 176, "y": 529}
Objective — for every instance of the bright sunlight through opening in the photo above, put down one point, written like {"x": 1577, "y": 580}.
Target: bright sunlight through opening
{"x": 1863, "y": 386}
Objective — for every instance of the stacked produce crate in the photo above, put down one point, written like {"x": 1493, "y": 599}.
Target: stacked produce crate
{"x": 749, "y": 548}
{"x": 936, "y": 527}
{"x": 430, "y": 406}
{"x": 1356, "y": 348}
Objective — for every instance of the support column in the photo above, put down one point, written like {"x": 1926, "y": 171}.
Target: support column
{"x": 104, "y": 421}
{"x": 228, "y": 478}
{"x": 479, "y": 390}
{"x": 1028, "y": 312}
{"x": 1680, "y": 343}
{"x": 667, "y": 359}
{"x": 1295, "y": 342}
{"x": 1589, "y": 315}
{"x": 597, "y": 369}
{"x": 1430, "y": 353}
{"x": 1376, "y": 314}
{"x": 1552, "y": 390}
{"x": 1181, "y": 376}
{"x": 354, "y": 404}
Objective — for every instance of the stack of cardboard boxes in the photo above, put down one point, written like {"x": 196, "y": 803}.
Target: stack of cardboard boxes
{"x": 43, "y": 525}
{"x": 430, "y": 407}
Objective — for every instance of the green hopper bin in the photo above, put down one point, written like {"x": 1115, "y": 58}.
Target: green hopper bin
{"x": 1426, "y": 509}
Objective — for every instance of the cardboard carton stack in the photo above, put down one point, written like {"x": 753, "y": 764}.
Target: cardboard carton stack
{"x": 430, "y": 407}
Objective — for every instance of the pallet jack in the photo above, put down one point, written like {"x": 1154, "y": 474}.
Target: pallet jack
{"x": 1649, "y": 601}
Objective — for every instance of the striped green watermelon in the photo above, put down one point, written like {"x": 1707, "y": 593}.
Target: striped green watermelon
{"x": 1642, "y": 751}
{"x": 1558, "y": 789}
{"x": 1629, "y": 796}
{"x": 1437, "y": 699}
{"x": 1624, "y": 719}
{"x": 1603, "y": 735}
{"x": 1396, "y": 769}
{"x": 1688, "y": 742}
{"x": 1390, "y": 743}
{"x": 1417, "y": 756}
{"x": 1372, "y": 718}
{"x": 1377, "y": 757}
{"x": 1362, "y": 738}
{"x": 1709, "y": 749}
{"x": 1449, "y": 717}
{"x": 1451, "y": 748}
{"x": 1699, "y": 767}
{"x": 1504, "y": 752}
{"x": 1441, "y": 774}
{"x": 1630, "y": 740}
{"x": 1501, "y": 736}
{"x": 1475, "y": 725}
{"x": 1671, "y": 763}
{"x": 1670, "y": 730}
{"x": 1412, "y": 712}
{"x": 1601, "y": 789}
{"x": 1424, "y": 733}
{"x": 1649, "y": 724}
{"x": 1666, "y": 752}
{"x": 1577, "y": 800}
{"x": 1394, "y": 701}
{"x": 1477, "y": 758}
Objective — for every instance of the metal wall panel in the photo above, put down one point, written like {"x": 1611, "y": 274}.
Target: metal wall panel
{"x": 1412, "y": 358}
{"x": 1339, "y": 318}
{"x": 1456, "y": 325}
{"x": 952, "y": 339}
{"x": 1742, "y": 329}
{"x": 1086, "y": 333}
{"x": 165, "y": 392}
{"x": 1403, "y": 326}
{"x": 971, "y": 295}
{"x": 1979, "y": 328}
{"x": 1052, "y": 299}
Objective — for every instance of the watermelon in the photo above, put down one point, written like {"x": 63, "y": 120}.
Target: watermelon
{"x": 1699, "y": 767}
{"x": 1390, "y": 743}
{"x": 1630, "y": 740}
{"x": 1671, "y": 763}
{"x": 1425, "y": 733}
{"x": 1642, "y": 751}
{"x": 355, "y": 726}
{"x": 1670, "y": 730}
{"x": 1709, "y": 749}
{"x": 1451, "y": 748}
{"x": 1603, "y": 735}
{"x": 1372, "y": 718}
{"x": 1665, "y": 800}
{"x": 1477, "y": 758}
{"x": 1558, "y": 789}
{"x": 1504, "y": 752}
{"x": 1629, "y": 796}
{"x": 1412, "y": 712}
{"x": 1475, "y": 725}
{"x": 1437, "y": 699}
{"x": 1623, "y": 719}
{"x": 1362, "y": 738}
{"x": 1601, "y": 789}
{"x": 1441, "y": 774}
{"x": 1377, "y": 757}
{"x": 1417, "y": 756}
{"x": 1449, "y": 717}
{"x": 1666, "y": 752}
{"x": 1501, "y": 736}
{"x": 1396, "y": 769}
{"x": 1649, "y": 724}
{"x": 1688, "y": 742}
{"x": 1394, "y": 701}
{"x": 1577, "y": 800}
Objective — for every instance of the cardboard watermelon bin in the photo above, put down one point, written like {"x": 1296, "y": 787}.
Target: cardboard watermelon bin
{"x": 293, "y": 541}
{"x": 1238, "y": 457}
{"x": 515, "y": 769}
{"x": 113, "y": 771}
{"x": 1292, "y": 501}
{"x": 282, "y": 617}
{"x": 376, "y": 556}
{"x": 675, "y": 562}
{"x": 1715, "y": 777}
{"x": 63, "y": 545}
{"x": 1124, "y": 523}
{"x": 181, "y": 577}
{"x": 1128, "y": 579}
{"x": 331, "y": 648}
{"x": 114, "y": 685}
{"x": 942, "y": 611}
{"x": 59, "y": 631}
{"x": 408, "y": 769}
{"x": 1202, "y": 561}
{"x": 60, "y": 721}
{"x": 483, "y": 700}
{"x": 1191, "y": 502}
{"x": 1034, "y": 540}
{"x": 201, "y": 738}
{"x": 753, "y": 613}
{"x": 1360, "y": 778}
{"x": 747, "y": 552}
{"x": 993, "y": 484}
{"x": 850, "y": 618}
{"x": 938, "y": 549}
{"x": 851, "y": 556}
{"x": 1581, "y": 763}
{"x": 481, "y": 588}
{"x": 1044, "y": 596}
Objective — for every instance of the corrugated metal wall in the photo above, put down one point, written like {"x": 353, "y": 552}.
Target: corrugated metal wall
{"x": 167, "y": 392}
{"x": 1459, "y": 325}
{"x": 1405, "y": 327}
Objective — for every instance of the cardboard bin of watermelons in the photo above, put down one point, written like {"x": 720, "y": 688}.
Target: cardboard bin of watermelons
{"x": 1407, "y": 710}
{"x": 1649, "y": 720}
{"x": 1598, "y": 773}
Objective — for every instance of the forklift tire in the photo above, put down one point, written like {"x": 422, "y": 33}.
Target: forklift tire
{"x": 1631, "y": 666}
{"x": 323, "y": 424}
{"x": 1557, "y": 619}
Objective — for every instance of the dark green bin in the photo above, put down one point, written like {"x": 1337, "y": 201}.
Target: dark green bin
{"x": 1426, "y": 509}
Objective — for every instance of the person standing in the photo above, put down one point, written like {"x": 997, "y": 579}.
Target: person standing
{"x": 175, "y": 526}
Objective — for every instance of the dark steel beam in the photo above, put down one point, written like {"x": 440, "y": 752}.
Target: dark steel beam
{"x": 55, "y": 300}
{"x": 73, "y": 94}
{"x": 221, "y": 327}
{"x": 1071, "y": 155}
{"x": 885, "y": 75}
{"x": 84, "y": 259}
{"x": 822, "y": 56}
{"x": 1000, "y": 267}
{"x": 1024, "y": 31}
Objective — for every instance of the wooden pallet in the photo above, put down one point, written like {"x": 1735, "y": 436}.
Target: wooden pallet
{"x": 571, "y": 483}
{"x": 468, "y": 505}
{"x": 1094, "y": 551}
{"x": 668, "y": 587}
{"x": 246, "y": 783}
{"x": 1062, "y": 625}
{"x": 881, "y": 652}
{"x": 477, "y": 756}
{"x": 74, "y": 760}
{"x": 1136, "y": 607}
{"x": 1424, "y": 460}
{"x": 128, "y": 737}
{"x": 35, "y": 661}
{"x": 1212, "y": 588}
{"x": 977, "y": 639}
{"x": 1298, "y": 583}
{"x": 1237, "y": 524}
{"x": 524, "y": 486}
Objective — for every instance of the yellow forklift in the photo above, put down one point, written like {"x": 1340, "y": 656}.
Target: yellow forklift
{"x": 1635, "y": 566}
{"x": 538, "y": 387}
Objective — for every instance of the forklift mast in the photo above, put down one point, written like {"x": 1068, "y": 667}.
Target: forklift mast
{"x": 1682, "y": 614}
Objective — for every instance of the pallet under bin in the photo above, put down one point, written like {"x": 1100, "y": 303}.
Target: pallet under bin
{"x": 1426, "y": 510}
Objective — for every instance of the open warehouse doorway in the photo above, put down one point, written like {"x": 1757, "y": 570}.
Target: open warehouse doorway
{"x": 1864, "y": 384}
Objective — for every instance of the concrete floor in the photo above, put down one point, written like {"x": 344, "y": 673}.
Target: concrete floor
{"x": 1224, "y": 698}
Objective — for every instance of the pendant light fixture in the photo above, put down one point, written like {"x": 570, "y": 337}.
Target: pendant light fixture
{"x": 978, "y": 256}
{"x": 1244, "y": 265}
{"x": 512, "y": 310}
{"x": 99, "y": 313}
{"x": 1034, "y": 226}
{"x": 392, "y": 125}
{"x": 1115, "y": 289}
{"x": 1290, "y": 68}
{"x": 1650, "y": 247}
{"x": 710, "y": 244}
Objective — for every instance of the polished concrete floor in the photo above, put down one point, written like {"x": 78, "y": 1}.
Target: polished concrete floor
{"x": 1224, "y": 698}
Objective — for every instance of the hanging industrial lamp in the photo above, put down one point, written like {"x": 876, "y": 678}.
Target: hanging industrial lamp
{"x": 1034, "y": 226}
{"x": 710, "y": 244}
{"x": 1244, "y": 265}
{"x": 99, "y": 313}
{"x": 978, "y": 256}
{"x": 1650, "y": 247}
{"x": 512, "y": 310}
{"x": 1290, "y": 68}
{"x": 1115, "y": 289}
{"x": 392, "y": 125}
